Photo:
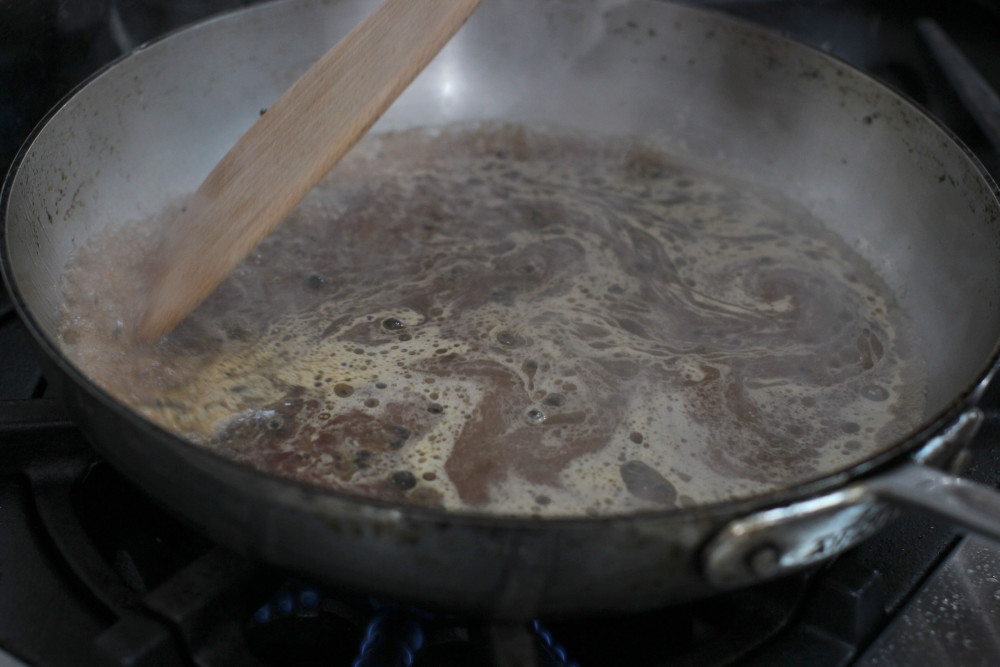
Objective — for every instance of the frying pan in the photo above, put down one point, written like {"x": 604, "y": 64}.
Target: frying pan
{"x": 893, "y": 183}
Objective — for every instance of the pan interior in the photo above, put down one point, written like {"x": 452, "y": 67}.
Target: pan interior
{"x": 717, "y": 97}
{"x": 520, "y": 321}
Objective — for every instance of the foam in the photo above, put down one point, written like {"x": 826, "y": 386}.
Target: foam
{"x": 495, "y": 319}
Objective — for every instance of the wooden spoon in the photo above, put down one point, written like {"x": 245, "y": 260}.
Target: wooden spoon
{"x": 300, "y": 138}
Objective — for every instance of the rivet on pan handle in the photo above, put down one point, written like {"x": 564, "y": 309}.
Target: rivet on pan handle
{"x": 785, "y": 539}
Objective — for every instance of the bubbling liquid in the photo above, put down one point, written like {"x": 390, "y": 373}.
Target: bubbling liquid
{"x": 501, "y": 320}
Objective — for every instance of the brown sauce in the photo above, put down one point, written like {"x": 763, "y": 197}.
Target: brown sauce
{"x": 501, "y": 320}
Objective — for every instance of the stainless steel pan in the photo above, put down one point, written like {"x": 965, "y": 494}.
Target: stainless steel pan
{"x": 891, "y": 181}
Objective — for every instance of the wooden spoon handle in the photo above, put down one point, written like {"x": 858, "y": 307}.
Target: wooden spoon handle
{"x": 289, "y": 149}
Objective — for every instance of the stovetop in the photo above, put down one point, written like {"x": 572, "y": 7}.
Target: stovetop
{"x": 92, "y": 572}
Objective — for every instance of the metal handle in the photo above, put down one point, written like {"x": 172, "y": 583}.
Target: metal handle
{"x": 976, "y": 92}
{"x": 968, "y": 504}
{"x": 784, "y": 539}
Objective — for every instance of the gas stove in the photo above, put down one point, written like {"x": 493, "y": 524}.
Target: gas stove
{"x": 93, "y": 572}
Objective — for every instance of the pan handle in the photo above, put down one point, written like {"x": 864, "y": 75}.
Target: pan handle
{"x": 780, "y": 540}
{"x": 973, "y": 506}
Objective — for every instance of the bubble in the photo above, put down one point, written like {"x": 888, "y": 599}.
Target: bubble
{"x": 392, "y": 324}
{"x": 343, "y": 390}
{"x": 554, "y": 400}
{"x": 873, "y": 392}
{"x": 397, "y": 435}
{"x": 643, "y": 481}
{"x": 404, "y": 479}
{"x": 536, "y": 416}
{"x": 315, "y": 282}
{"x": 508, "y": 338}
